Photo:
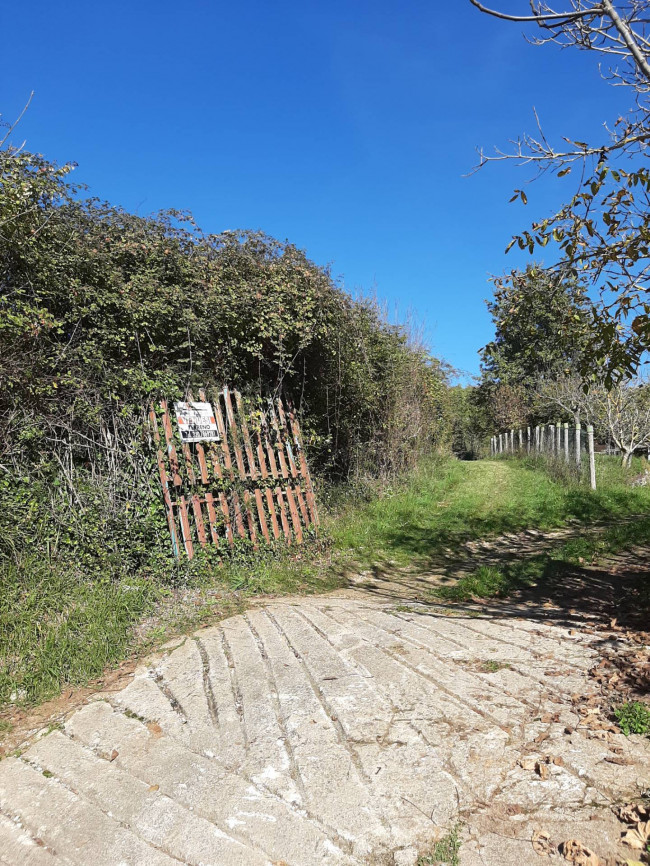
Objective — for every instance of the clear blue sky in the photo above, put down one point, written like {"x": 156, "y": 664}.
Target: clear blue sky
{"x": 345, "y": 127}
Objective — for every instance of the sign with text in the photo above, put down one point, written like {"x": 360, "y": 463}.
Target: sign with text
{"x": 196, "y": 422}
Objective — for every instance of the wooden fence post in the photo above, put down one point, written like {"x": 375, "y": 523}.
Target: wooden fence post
{"x": 578, "y": 443}
{"x": 528, "y": 440}
{"x": 566, "y": 441}
{"x": 551, "y": 434}
{"x": 521, "y": 439}
{"x": 592, "y": 458}
{"x": 558, "y": 438}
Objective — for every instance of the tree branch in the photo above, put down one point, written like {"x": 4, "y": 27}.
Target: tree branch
{"x": 627, "y": 36}
{"x": 551, "y": 16}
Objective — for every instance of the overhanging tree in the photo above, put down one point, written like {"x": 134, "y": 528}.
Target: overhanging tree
{"x": 542, "y": 329}
{"x": 602, "y": 233}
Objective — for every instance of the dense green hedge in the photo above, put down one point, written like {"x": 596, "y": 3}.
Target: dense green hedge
{"x": 102, "y": 310}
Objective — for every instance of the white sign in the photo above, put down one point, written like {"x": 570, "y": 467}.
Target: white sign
{"x": 196, "y": 422}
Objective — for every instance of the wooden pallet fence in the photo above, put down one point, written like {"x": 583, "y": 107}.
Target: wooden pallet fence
{"x": 249, "y": 481}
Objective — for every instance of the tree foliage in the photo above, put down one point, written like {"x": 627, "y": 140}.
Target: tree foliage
{"x": 542, "y": 330}
{"x": 102, "y": 311}
{"x": 602, "y": 233}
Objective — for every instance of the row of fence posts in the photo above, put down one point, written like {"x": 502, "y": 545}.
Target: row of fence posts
{"x": 559, "y": 440}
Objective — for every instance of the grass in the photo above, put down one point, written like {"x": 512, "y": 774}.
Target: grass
{"x": 59, "y": 626}
{"x": 491, "y": 581}
{"x": 446, "y": 503}
{"x": 633, "y": 718}
{"x": 445, "y": 852}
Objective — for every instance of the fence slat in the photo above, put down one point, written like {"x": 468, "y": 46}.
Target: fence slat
{"x": 221, "y": 427}
{"x": 293, "y": 468}
{"x": 267, "y": 490}
{"x": 252, "y": 468}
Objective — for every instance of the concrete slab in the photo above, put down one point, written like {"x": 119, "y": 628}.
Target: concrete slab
{"x": 339, "y": 729}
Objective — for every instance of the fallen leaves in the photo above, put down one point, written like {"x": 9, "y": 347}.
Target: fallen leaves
{"x": 542, "y": 844}
{"x": 637, "y": 817}
{"x": 575, "y": 852}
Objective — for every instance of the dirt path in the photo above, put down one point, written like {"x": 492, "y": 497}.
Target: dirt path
{"x": 340, "y": 729}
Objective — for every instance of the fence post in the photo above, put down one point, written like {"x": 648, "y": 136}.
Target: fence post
{"x": 558, "y": 439}
{"x": 521, "y": 439}
{"x": 578, "y": 443}
{"x": 592, "y": 458}
{"x": 566, "y": 441}
{"x": 551, "y": 434}
{"x": 541, "y": 438}
{"x": 500, "y": 443}
{"x": 528, "y": 440}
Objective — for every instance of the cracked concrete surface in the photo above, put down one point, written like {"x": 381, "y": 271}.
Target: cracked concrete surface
{"x": 339, "y": 729}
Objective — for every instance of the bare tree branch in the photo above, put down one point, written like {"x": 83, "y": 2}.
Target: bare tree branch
{"x": 560, "y": 17}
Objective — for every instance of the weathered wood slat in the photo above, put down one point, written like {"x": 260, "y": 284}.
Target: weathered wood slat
{"x": 293, "y": 468}
{"x": 252, "y": 468}
{"x": 304, "y": 469}
{"x": 239, "y": 458}
{"x": 267, "y": 492}
{"x": 277, "y": 490}
{"x": 239, "y": 523}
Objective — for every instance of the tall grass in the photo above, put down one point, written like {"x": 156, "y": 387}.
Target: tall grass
{"x": 444, "y": 503}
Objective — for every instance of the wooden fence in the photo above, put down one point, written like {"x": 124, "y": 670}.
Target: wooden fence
{"x": 251, "y": 481}
{"x": 558, "y": 440}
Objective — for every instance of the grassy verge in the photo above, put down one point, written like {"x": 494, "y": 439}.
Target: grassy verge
{"x": 62, "y": 626}
{"x": 448, "y": 502}
{"x": 61, "y": 623}
{"x": 499, "y": 581}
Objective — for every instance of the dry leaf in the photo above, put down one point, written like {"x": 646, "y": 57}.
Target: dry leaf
{"x": 575, "y": 852}
{"x": 541, "y": 737}
{"x": 114, "y": 755}
{"x": 154, "y": 787}
{"x": 154, "y": 729}
{"x": 542, "y": 844}
{"x": 634, "y": 839}
{"x": 527, "y": 763}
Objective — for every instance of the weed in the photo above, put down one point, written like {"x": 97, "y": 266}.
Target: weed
{"x": 445, "y": 852}
{"x": 633, "y": 718}
{"x": 48, "y": 774}
{"x": 491, "y": 666}
{"x": 5, "y": 727}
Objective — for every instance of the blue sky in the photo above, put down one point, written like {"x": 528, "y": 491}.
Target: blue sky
{"x": 345, "y": 127}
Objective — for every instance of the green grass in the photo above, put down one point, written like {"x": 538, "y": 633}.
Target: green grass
{"x": 445, "y": 851}
{"x": 491, "y": 581}
{"x": 445, "y": 503}
{"x": 60, "y": 624}
{"x": 633, "y": 718}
